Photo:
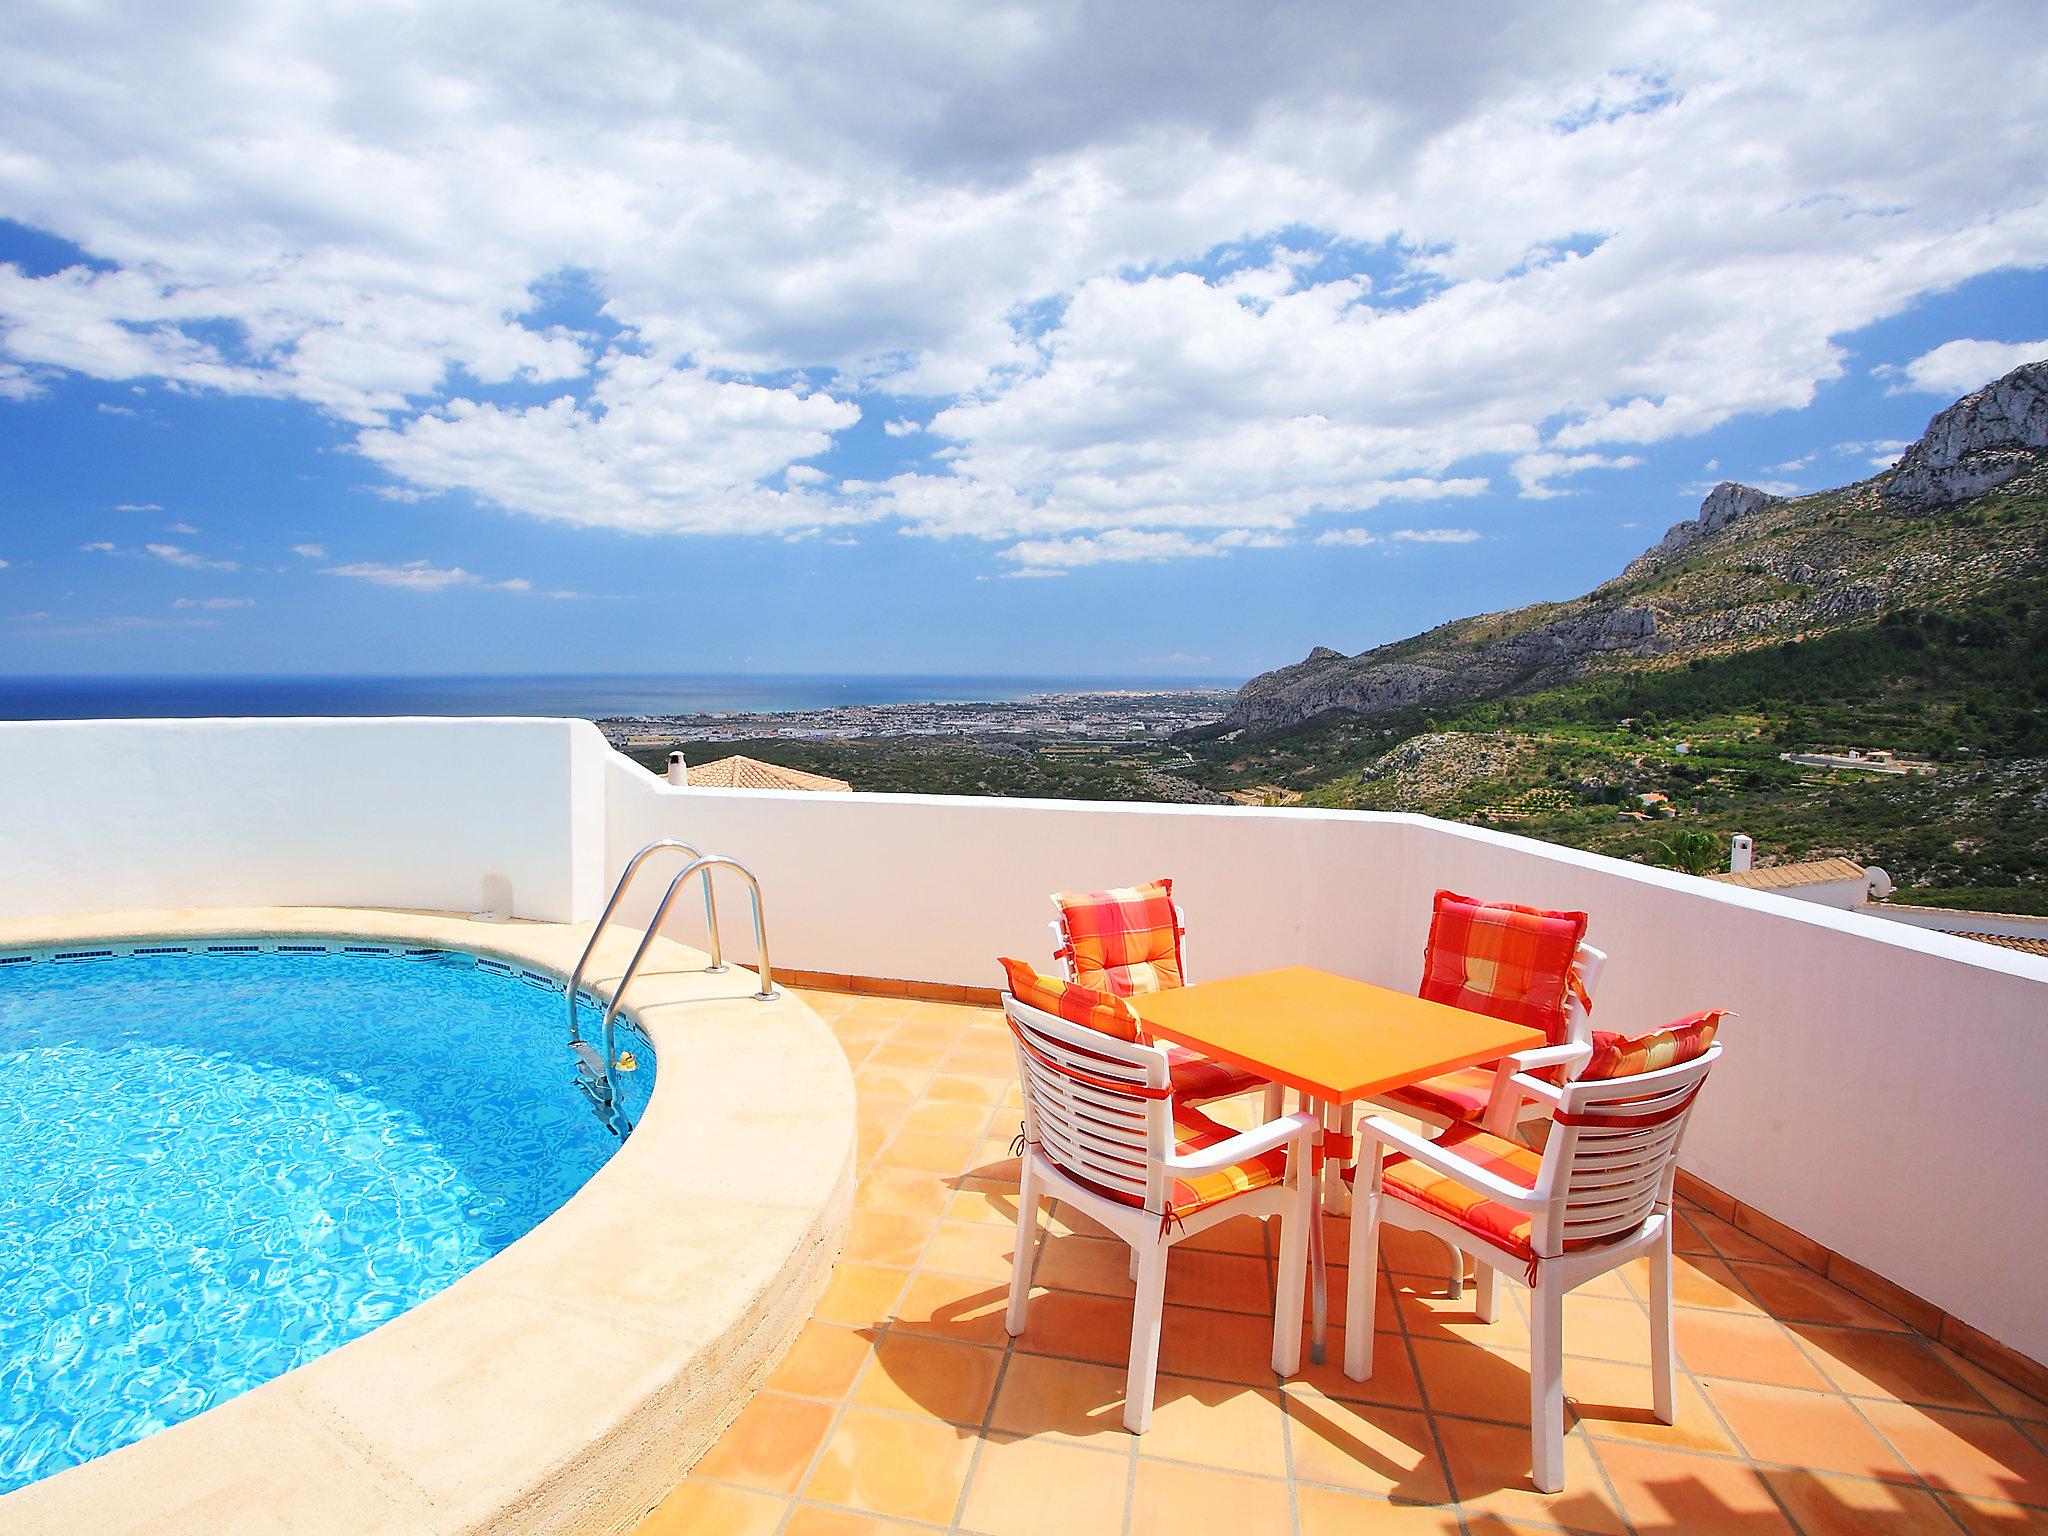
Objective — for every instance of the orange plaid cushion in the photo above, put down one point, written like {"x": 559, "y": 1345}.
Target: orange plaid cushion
{"x": 1197, "y": 1078}
{"x": 1071, "y": 1001}
{"x": 1193, "y": 1131}
{"x": 1626, "y": 1055}
{"x": 1406, "y": 1179}
{"x": 1510, "y": 962}
{"x": 1460, "y": 1095}
{"x": 1124, "y": 941}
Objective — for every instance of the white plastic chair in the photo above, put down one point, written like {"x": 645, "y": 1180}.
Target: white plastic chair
{"x": 1063, "y": 950}
{"x": 1600, "y": 1197}
{"x": 1099, "y": 1135}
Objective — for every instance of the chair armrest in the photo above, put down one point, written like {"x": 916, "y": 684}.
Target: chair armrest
{"x": 1570, "y": 1054}
{"x": 1450, "y": 1165}
{"x": 1260, "y": 1138}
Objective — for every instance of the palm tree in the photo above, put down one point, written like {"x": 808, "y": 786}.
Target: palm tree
{"x": 1689, "y": 849}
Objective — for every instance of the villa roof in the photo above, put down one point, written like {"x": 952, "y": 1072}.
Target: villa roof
{"x": 2026, "y": 946}
{"x": 751, "y": 773}
{"x": 1781, "y": 877}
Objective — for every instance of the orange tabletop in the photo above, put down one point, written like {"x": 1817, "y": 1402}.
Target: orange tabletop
{"x": 1329, "y": 1036}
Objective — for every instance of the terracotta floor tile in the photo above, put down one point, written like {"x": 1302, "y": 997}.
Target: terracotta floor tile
{"x": 1241, "y": 1234}
{"x": 1392, "y": 1380}
{"x": 1731, "y": 1242}
{"x": 1094, "y": 1264}
{"x": 1226, "y": 1346}
{"x": 983, "y": 1204}
{"x": 1825, "y": 1505}
{"x": 1598, "y": 1328}
{"x": 1965, "y": 1452}
{"x": 817, "y": 1520}
{"x": 948, "y": 1117}
{"x": 1171, "y": 1500}
{"x": 1214, "y": 1424}
{"x": 1743, "y": 1349}
{"x": 1229, "y": 1282}
{"x": 1079, "y": 1325}
{"x": 966, "y": 1088}
{"x": 1901, "y": 1366}
{"x": 1995, "y": 1517}
{"x": 1032, "y": 1487}
{"x": 1364, "y": 1445}
{"x": 1042, "y": 1396}
{"x": 980, "y": 1250}
{"x": 704, "y": 1509}
{"x": 885, "y": 1111}
{"x": 909, "y": 1191}
{"x": 1328, "y": 1512}
{"x": 887, "y": 1237}
{"x": 1614, "y": 1402}
{"x": 877, "y": 1463}
{"x": 821, "y": 1363}
{"x": 1803, "y": 1429}
{"x": 860, "y": 1295}
{"x": 995, "y": 1160}
{"x": 1698, "y": 1281}
{"x": 2000, "y": 1393}
{"x": 1686, "y": 1236}
{"x": 1669, "y": 1491}
{"x": 903, "y": 1082}
{"x": 1461, "y": 1378}
{"x": 1800, "y": 1296}
{"x": 1489, "y": 1466}
{"x": 915, "y": 1375}
{"x": 770, "y": 1445}
{"x": 954, "y": 1308}
{"x": 1438, "y": 1317}
{"x": 910, "y": 1056}
{"x": 933, "y": 1154}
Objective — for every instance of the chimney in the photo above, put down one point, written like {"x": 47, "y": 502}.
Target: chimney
{"x": 1740, "y": 851}
{"x": 678, "y": 771}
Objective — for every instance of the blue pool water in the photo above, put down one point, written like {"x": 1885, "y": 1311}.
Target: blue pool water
{"x": 216, "y": 1166}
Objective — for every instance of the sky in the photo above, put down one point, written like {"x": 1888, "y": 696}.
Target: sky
{"x": 1105, "y": 339}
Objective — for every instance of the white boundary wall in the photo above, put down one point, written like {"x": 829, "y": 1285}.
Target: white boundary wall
{"x": 99, "y": 816}
{"x": 1882, "y": 1088}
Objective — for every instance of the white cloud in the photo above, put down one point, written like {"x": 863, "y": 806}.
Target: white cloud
{"x": 1957, "y": 367}
{"x": 1436, "y": 535}
{"x": 137, "y": 506}
{"x": 1589, "y": 228}
{"x": 1535, "y": 471}
{"x": 116, "y": 410}
{"x": 184, "y": 528}
{"x": 173, "y": 554}
{"x": 423, "y": 576}
{"x": 1048, "y": 557}
{"x": 1794, "y": 466}
{"x": 98, "y": 547}
{"x": 310, "y": 551}
{"x": 901, "y": 427}
{"x": 3, "y": 565}
{"x": 1356, "y": 538}
{"x": 213, "y": 603}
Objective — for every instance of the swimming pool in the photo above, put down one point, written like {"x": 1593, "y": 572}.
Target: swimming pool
{"x": 223, "y": 1158}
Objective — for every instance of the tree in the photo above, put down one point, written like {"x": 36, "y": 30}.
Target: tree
{"x": 1689, "y": 849}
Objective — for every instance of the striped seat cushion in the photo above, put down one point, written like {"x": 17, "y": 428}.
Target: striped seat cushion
{"x": 1508, "y": 962}
{"x": 1194, "y": 1131}
{"x": 1627, "y": 1055}
{"x": 1441, "y": 1195}
{"x": 1071, "y": 1001}
{"x": 1124, "y": 941}
{"x": 1454, "y": 1097}
{"x": 1198, "y": 1079}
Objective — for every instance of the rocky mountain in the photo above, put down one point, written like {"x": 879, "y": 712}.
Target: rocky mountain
{"x": 1751, "y": 569}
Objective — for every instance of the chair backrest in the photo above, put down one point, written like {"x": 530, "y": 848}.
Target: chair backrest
{"x": 1613, "y": 1153}
{"x": 1587, "y": 964}
{"x": 1505, "y": 960}
{"x": 1101, "y": 1109}
{"x": 1063, "y": 942}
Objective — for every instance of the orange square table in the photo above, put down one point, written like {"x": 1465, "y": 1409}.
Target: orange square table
{"x": 1335, "y": 1040}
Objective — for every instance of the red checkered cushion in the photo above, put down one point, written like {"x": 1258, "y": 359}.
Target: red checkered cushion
{"x": 1455, "y": 1096}
{"x": 1071, "y": 1001}
{"x": 1513, "y": 963}
{"x": 1124, "y": 941}
{"x": 1626, "y": 1055}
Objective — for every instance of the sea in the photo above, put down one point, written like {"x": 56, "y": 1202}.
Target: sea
{"x": 590, "y": 697}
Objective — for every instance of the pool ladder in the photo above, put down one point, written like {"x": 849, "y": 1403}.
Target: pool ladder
{"x": 597, "y": 1063}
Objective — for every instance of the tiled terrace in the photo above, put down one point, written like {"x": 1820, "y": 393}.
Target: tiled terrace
{"x": 904, "y": 1406}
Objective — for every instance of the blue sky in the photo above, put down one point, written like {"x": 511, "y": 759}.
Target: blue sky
{"x": 881, "y": 352}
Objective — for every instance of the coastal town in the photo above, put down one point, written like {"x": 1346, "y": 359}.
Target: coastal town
{"x": 1118, "y": 715}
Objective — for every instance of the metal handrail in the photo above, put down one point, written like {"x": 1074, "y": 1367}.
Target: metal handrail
{"x": 618, "y": 894}
{"x": 704, "y": 863}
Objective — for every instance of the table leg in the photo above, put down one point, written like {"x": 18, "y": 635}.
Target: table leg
{"x": 1318, "y": 1258}
{"x": 1335, "y": 1194}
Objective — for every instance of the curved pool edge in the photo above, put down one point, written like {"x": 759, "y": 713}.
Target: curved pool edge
{"x": 569, "y": 1382}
